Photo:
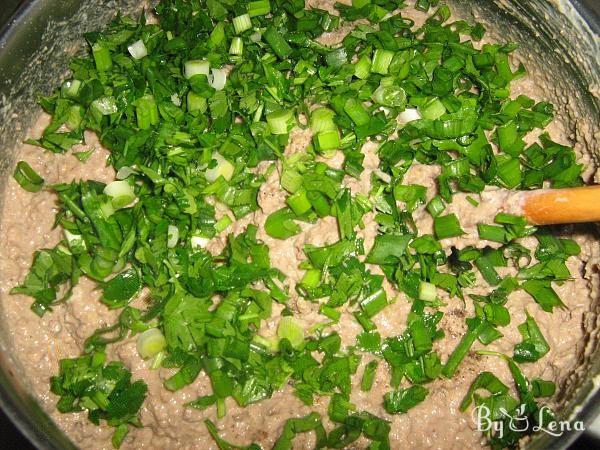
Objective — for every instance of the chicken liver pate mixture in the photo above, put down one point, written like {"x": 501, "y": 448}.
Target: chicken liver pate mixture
{"x": 39, "y": 343}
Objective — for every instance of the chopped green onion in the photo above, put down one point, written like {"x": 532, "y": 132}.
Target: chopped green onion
{"x": 217, "y": 36}
{"x": 401, "y": 400}
{"x": 70, "y": 88}
{"x": 242, "y": 23}
{"x": 409, "y": 115}
{"x": 104, "y": 106}
{"x": 138, "y": 49}
{"x": 277, "y": 42}
{"x": 321, "y": 119}
{"x": 289, "y": 329}
{"x": 368, "y": 377}
{"x": 374, "y": 303}
{"x": 542, "y": 388}
{"x": 102, "y": 57}
{"x": 120, "y": 192}
{"x": 217, "y": 79}
{"x": 223, "y": 223}
{"x": 436, "y": 206}
{"x": 393, "y": 96}
{"x": 146, "y": 112}
{"x": 319, "y": 203}
{"x": 388, "y": 249}
{"x": 237, "y": 46}
{"x": 487, "y": 270}
{"x": 28, "y": 178}
{"x": 291, "y": 180}
{"x": 196, "y": 102}
{"x": 172, "y": 236}
{"x": 281, "y": 224}
{"x": 330, "y": 312}
{"x": 427, "y": 291}
{"x": 510, "y": 173}
{"x": 462, "y": 349}
{"x": 259, "y": 8}
{"x": 328, "y": 140}
{"x": 223, "y": 168}
{"x": 447, "y": 226}
{"x": 362, "y": 68}
{"x": 196, "y": 67}
{"x": 356, "y": 111}
{"x": 198, "y": 242}
{"x": 381, "y": 61}
{"x": 150, "y": 342}
{"x": 202, "y": 403}
{"x": 281, "y": 121}
{"x": 472, "y": 201}
{"x": 299, "y": 203}
{"x": 311, "y": 279}
{"x": 433, "y": 109}
{"x": 492, "y": 233}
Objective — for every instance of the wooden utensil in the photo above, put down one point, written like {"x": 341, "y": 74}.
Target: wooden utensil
{"x": 557, "y": 206}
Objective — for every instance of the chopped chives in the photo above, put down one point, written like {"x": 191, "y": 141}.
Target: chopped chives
{"x": 368, "y": 377}
{"x": 328, "y": 140}
{"x": 223, "y": 223}
{"x": 299, "y": 202}
{"x": 487, "y": 270}
{"x": 28, "y": 178}
{"x": 196, "y": 102}
{"x": 242, "y": 23}
{"x": 356, "y": 111}
{"x": 277, "y": 42}
{"x": 259, "y": 8}
{"x": 362, "y": 68}
{"x": 217, "y": 36}
{"x": 237, "y": 46}
{"x": 381, "y": 61}
{"x": 311, "y": 278}
{"x": 291, "y": 180}
{"x": 472, "y": 201}
{"x": 447, "y": 226}
{"x": 281, "y": 121}
{"x": 436, "y": 206}
{"x": 319, "y": 203}
{"x": 102, "y": 57}
{"x": 427, "y": 291}
{"x": 321, "y": 119}
{"x": 492, "y": 233}
{"x": 330, "y": 313}
{"x": 146, "y": 112}
{"x": 433, "y": 109}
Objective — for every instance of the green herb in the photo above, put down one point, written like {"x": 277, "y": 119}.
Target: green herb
{"x": 534, "y": 345}
{"x": 105, "y": 391}
{"x": 447, "y": 226}
{"x": 400, "y": 401}
{"x": 28, "y": 178}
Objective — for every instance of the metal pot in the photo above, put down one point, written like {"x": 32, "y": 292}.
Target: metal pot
{"x": 560, "y": 40}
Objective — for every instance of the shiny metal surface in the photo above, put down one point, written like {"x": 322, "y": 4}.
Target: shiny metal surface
{"x": 41, "y": 35}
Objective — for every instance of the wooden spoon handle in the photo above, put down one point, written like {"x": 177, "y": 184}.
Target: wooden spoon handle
{"x": 556, "y": 206}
